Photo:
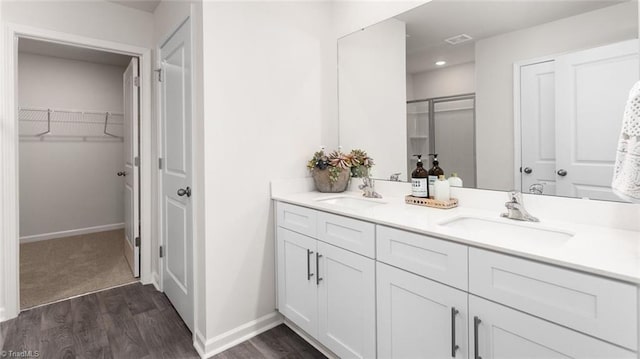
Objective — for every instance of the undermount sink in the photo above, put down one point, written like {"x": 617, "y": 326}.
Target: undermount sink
{"x": 351, "y": 202}
{"x": 511, "y": 230}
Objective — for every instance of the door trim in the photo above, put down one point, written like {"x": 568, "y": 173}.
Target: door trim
{"x": 9, "y": 207}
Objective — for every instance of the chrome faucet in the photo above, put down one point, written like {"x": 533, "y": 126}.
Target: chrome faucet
{"x": 536, "y": 188}
{"x": 515, "y": 209}
{"x": 395, "y": 177}
{"x": 368, "y": 186}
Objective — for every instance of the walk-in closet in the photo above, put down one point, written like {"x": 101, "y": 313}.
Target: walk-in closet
{"x": 74, "y": 132}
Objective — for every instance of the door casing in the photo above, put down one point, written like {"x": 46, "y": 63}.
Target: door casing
{"x": 9, "y": 206}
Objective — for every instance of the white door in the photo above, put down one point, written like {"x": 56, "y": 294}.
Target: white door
{"x": 297, "y": 285}
{"x": 538, "y": 126}
{"x": 177, "y": 268}
{"x": 504, "y": 333}
{"x": 131, "y": 169}
{"x": 346, "y": 302}
{"x": 419, "y": 318}
{"x": 592, "y": 88}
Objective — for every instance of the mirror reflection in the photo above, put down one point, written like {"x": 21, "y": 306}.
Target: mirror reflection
{"x": 525, "y": 95}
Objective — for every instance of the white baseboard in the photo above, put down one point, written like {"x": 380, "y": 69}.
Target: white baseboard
{"x": 155, "y": 280}
{"x": 69, "y": 233}
{"x": 207, "y": 348}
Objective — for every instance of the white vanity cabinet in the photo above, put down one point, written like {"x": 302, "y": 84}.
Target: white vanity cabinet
{"x": 365, "y": 290}
{"x": 418, "y": 317}
{"x": 329, "y": 292}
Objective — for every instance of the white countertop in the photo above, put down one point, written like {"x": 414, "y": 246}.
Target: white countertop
{"x": 609, "y": 252}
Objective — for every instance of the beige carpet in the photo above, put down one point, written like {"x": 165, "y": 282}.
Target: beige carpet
{"x": 60, "y": 268}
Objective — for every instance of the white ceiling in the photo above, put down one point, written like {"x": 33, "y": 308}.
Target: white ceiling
{"x": 144, "y": 5}
{"x": 429, "y": 24}
{"x": 71, "y": 52}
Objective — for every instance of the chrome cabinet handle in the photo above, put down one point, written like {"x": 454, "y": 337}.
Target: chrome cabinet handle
{"x": 562, "y": 172}
{"x": 476, "y": 324}
{"x": 318, "y": 278}
{"x": 528, "y": 170}
{"x": 309, "y": 274}
{"x": 122, "y": 174}
{"x": 454, "y": 346}
{"x": 183, "y": 191}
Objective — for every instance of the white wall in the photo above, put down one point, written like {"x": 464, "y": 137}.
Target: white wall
{"x": 71, "y": 184}
{"x": 494, "y": 77}
{"x": 268, "y": 86}
{"x": 371, "y": 78}
{"x": 447, "y": 81}
{"x": 95, "y": 19}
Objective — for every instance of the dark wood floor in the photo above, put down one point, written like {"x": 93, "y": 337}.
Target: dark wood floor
{"x": 277, "y": 343}
{"x": 133, "y": 321}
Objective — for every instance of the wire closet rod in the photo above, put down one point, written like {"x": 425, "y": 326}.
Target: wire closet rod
{"x": 81, "y": 112}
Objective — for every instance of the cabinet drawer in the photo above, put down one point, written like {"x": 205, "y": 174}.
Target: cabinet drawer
{"x": 593, "y": 305}
{"x": 298, "y": 219}
{"x": 443, "y": 261}
{"x": 351, "y": 234}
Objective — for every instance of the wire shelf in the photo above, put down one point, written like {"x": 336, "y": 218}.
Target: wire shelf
{"x": 41, "y": 124}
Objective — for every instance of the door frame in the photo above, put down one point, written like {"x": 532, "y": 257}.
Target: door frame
{"x": 9, "y": 208}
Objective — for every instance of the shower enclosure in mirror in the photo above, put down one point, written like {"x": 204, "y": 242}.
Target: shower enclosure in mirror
{"x": 444, "y": 126}
{"x": 550, "y": 81}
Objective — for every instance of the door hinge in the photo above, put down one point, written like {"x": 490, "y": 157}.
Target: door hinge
{"x": 136, "y": 81}
{"x": 161, "y": 252}
{"x": 136, "y": 161}
{"x": 137, "y": 241}
{"x": 159, "y": 163}
{"x": 159, "y": 71}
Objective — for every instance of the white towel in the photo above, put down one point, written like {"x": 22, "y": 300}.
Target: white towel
{"x": 626, "y": 174}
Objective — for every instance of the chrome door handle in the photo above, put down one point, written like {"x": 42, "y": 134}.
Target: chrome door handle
{"x": 454, "y": 346}
{"x": 122, "y": 174}
{"x": 562, "y": 172}
{"x": 318, "y": 278}
{"x": 309, "y": 274}
{"x": 527, "y": 170}
{"x": 183, "y": 191}
{"x": 476, "y": 324}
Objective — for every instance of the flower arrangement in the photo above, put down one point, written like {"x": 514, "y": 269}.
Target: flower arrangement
{"x": 357, "y": 162}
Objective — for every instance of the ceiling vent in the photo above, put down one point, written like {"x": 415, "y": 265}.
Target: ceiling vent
{"x": 458, "y": 39}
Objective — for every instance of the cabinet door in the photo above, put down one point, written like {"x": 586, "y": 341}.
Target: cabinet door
{"x": 419, "y": 318}
{"x": 504, "y": 333}
{"x": 297, "y": 290}
{"x": 346, "y": 302}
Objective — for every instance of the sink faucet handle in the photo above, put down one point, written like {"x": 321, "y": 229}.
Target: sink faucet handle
{"x": 515, "y": 197}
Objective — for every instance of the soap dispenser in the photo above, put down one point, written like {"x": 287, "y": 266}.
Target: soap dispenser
{"x": 434, "y": 172}
{"x": 419, "y": 180}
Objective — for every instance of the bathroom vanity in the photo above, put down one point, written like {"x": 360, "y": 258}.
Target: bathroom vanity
{"x": 379, "y": 278}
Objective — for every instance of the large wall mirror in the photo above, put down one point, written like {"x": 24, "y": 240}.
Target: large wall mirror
{"x": 512, "y": 94}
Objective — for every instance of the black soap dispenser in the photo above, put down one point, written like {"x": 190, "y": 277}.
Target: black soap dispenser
{"x": 434, "y": 172}
{"x": 420, "y": 180}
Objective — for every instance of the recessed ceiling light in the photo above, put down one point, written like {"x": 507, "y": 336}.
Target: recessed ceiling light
{"x": 441, "y": 63}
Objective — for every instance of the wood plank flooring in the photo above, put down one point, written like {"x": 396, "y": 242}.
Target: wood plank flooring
{"x": 132, "y": 321}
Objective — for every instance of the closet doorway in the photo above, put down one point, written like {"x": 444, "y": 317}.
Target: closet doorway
{"x": 78, "y": 159}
